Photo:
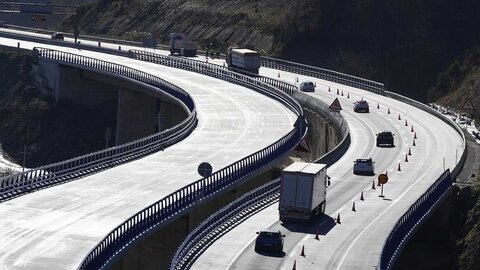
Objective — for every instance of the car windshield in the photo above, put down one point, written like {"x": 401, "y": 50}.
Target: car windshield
{"x": 364, "y": 161}
{"x": 270, "y": 235}
{"x": 385, "y": 134}
{"x": 361, "y": 101}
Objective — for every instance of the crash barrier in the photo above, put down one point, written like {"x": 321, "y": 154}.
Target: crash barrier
{"x": 180, "y": 202}
{"x": 412, "y": 220}
{"x": 274, "y": 89}
{"x": 426, "y": 205}
{"x": 53, "y": 174}
{"x": 324, "y": 74}
{"x": 224, "y": 219}
{"x": 442, "y": 117}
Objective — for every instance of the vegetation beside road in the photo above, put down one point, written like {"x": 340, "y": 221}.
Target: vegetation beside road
{"x": 51, "y": 131}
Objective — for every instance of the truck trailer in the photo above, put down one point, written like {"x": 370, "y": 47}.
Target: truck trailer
{"x": 243, "y": 60}
{"x": 303, "y": 191}
{"x": 179, "y": 44}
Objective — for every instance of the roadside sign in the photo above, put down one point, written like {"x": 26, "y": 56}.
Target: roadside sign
{"x": 303, "y": 146}
{"x": 336, "y": 105}
{"x": 468, "y": 105}
{"x": 205, "y": 169}
{"x": 38, "y": 18}
{"x": 382, "y": 178}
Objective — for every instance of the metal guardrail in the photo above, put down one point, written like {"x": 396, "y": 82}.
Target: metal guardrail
{"x": 411, "y": 221}
{"x": 279, "y": 91}
{"x": 324, "y": 74}
{"x": 418, "y": 213}
{"x": 240, "y": 209}
{"x": 223, "y": 220}
{"x": 180, "y": 201}
{"x": 53, "y": 174}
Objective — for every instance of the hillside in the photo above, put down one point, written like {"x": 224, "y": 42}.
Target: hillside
{"x": 52, "y": 132}
{"x": 460, "y": 81}
{"x": 402, "y": 43}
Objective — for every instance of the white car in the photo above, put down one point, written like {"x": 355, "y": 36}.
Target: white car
{"x": 361, "y": 106}
{"x": 307, "y": 87}
{"x": 363, "y": 166}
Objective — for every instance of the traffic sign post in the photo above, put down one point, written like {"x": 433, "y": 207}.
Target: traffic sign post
{"x": 382, "y": 179}
{"x": 335, "y": 106}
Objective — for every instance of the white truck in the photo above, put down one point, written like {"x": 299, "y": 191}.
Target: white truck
{"x": 243, "y": 60}
{"x": 303, "y": 191}
{"x": 179, "y": 44}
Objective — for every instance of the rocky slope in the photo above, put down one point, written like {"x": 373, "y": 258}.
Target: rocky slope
{"x": 52, "y": 132}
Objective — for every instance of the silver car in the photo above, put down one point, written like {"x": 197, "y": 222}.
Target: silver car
{"x": 363, "y": 166}
{"x": 361, "y": 106}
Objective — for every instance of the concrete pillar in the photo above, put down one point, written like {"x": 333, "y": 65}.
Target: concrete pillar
{"x": 135, "y": 115}
{"x": 170, "y": 115}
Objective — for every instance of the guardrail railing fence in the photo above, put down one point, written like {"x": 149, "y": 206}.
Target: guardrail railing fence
{"x": 53, "y": 174}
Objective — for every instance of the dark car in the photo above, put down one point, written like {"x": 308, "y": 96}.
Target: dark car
{"x": 57, "y": 36}
{"x": 269, "y": 240}
{"x": 361, "y": 106}
{"x": 385, "y": 138}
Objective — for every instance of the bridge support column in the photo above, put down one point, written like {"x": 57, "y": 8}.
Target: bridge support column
{"x": 135, "y": 115}
{"x": 170, "y": 115}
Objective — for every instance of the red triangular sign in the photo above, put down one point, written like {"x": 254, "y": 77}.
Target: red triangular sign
{"x": 468, "y": 106}
{"x": 336, "y": 105}
{"x": 303, "y": 146}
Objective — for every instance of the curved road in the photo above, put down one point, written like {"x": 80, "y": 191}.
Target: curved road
{"x": 355, "y": 243}
{"x": 56, "y": 227}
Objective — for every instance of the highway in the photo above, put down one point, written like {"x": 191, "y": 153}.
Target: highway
{"x": 353, "y": 244}
{"x": 357, "y": 242}
{"x": 56, "y": 227}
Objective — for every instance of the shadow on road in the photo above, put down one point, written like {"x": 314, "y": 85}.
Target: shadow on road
{"x": 321, "y": 225}
{"x": 271, "y": 254}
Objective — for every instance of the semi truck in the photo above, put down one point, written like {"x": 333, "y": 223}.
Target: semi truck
{"x": 179, "y": 44}
{"x": 243, "y": 60}
{"x": 303, "y": 191}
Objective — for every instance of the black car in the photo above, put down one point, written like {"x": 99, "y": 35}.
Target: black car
{"x": 57, "y": 36}
{"x": 385, "y": 138}
{"x": 269, "y": 240}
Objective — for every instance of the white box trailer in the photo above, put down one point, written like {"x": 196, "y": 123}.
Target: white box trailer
{"x": 179, "y": 44}
{"x": 303, "y": 191}
{"x": 243, "y": 60}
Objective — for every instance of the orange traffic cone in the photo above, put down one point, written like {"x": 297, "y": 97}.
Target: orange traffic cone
{"x": 411, "y": 130}
{"x": 406, "y": 157}
{"x": 378, "y": 105}
{"x": 294, "y": 265}
{"x": 278, "y": 74}
{"x": 348, "y": 95}
{"x": 342, "y": 93}
{"x": 316, "y": 235}
{"x": 338, "y": 91}
{"x": 338, "y": 219}
{"x": 361, "y": 197}
{"x": 303, "y": 251}
{"x": 399, "y": 167}
{"x": 415, "y": 135}
{"x": 406, "y": 123}
{"x": 329, "y": 89}
{"x": 353, "y": 207}
{"x": 373, "y": 184}
{"x": 409, "y": 151}
{"x": 388, "y": 110}
{"x": 296, "y": 79}
{"x": 399, "y": 118}
{"x": 386, "y": 173}
{"x": 414, "y": 142}
{"x": 378, "y": 184}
